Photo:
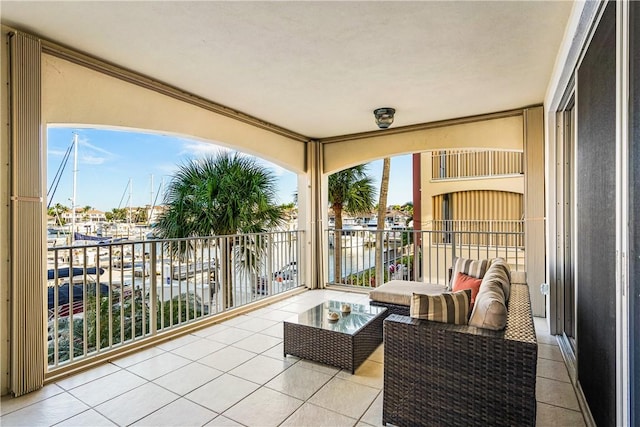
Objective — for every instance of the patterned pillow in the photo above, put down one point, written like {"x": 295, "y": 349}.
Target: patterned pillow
{"x": 470, "y": 267}
{"x": 446, "y": 308}
{"x": 499, "y": 272}
{"x": 489, "y": 310}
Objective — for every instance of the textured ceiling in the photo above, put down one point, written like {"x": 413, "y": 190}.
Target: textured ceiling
{"x": 320, "y": 68}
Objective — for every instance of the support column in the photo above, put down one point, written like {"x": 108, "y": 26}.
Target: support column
{"x": 317, "y": 216}
{"x": 534, "y": 207}
{"x": 27, "y": 305}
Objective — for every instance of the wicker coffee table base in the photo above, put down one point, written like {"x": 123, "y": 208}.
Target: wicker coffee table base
{"x": 333, "y": 348}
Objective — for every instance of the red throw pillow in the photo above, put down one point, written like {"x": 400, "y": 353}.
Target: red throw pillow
{"x": 463, "y": 281}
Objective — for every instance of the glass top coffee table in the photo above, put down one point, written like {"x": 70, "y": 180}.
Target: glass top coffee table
{"x": 344, "y": 343}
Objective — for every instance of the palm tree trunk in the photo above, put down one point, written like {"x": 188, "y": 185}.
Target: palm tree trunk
{"x": 337, "y": 244}
{"x": 382, "y": 209}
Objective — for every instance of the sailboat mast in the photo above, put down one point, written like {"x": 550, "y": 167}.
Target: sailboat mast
{"x": 75, "y": 184}
{"x": 130, "y": 191}
{"x": 150, "y": 202}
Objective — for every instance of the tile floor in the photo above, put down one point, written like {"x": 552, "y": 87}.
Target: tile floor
{"x": 234, "y": 374}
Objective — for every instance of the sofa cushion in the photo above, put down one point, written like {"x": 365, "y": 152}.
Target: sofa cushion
{"x": 490, "y": 309}
{"x": 399, "y": 292}
{"x": 448, "y": 307}
{"x": 500, "y": 272}
{"x": 463, "y": 281}
{"x": 470, "y": 267}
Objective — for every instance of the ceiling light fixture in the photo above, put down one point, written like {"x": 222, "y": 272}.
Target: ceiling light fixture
{"x": 384, "y": 116}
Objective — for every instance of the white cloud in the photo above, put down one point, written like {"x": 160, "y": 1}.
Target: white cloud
{"x": 92, "y": 155}
{"x": 198, "y": 149}
{"x": 92, "y": 160}
{"x": 55, "y": 152}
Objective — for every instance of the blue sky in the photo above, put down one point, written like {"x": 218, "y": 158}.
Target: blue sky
{"x": 107, "y": 159}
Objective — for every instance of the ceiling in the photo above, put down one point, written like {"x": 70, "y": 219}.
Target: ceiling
{"x": 320, "y": 68}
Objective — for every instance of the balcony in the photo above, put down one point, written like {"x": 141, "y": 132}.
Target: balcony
{"x": 475, "y": 164}
{"x": 234, "y": 373}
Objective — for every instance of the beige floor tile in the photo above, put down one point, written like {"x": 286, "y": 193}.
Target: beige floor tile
{"x": 260, "y": 369}
{"x": 230, "y": 335}
{"x": 138, "y": 357}
{"x": 198, "y": 349}
{"x": 550, "y": 416}
{"x": 234, "y": 321}
{"x": 210, "y": 330}
{"x": 373, "y": 416}
{"x": 136, "y": 404}
{"x": 345, "y": 397}
{"x": 276, "y": 330}
{"x": 227, "y": 358}
{"x": 9, "y": 404}
{"x": 277, "y": 352}
{"x": 279, "y": 305}
{"x": 222, "y": 393}
{"x": 299, "y": 382}
{"x": 309, "y": 415}
{"x": 277, "y": 315}
{"x": 551, "y": 352}
{"x": 553, "y": 370}
{"x": 87, "y": 418}
{"x": 45, "y": 412}
{"x": 222, "y": 421}
{"x": 369, "y": 373}
{"x": 260, "y": 312}
{"x": 179, "y": 342}
{"x": 87, "y": 376}
{"x": 158, "y": 366}
{"x": 255, "y": 324}
{"x": 181, "y": 412}
{"x": 361, "y": 424}
{"x": 540, "y": 325}
{"x": 326, "y": 369}
{"x": 263, "y": 408}
{"x": 556, "y": 393}
{"x": 257, "y": 343}
{"x": 188, "y": 378}
{"x": 107, "y": 387}
{"x": 546, "y": 339}
{"x": 378, "y": 354}
{"x": 300, "y": 307}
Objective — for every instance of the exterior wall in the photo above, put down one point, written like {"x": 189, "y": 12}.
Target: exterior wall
{"x": 497, "y": 133}
{"x": 489, "y": 205}
{"x": 5, "y": 181}
{"x": 429, "y": 189}
{"x": 77, "y": 96}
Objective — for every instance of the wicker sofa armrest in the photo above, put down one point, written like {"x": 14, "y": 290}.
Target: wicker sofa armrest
{"x": 443, "y": 374}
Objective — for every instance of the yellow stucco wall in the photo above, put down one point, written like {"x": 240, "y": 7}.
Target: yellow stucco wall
{"x": 78, "y": 96}
{"x": 500, "y": 133}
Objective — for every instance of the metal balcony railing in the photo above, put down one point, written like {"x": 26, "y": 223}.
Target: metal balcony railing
{"x": 405, "y": 254}
{"x": 102, "y": 297}
{"x": 461, "y": 164}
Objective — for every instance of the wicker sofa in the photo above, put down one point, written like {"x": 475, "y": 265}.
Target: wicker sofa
{"x": 443, "y": 374}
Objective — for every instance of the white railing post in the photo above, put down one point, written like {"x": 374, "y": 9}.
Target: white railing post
{"x": 153, "y": 303}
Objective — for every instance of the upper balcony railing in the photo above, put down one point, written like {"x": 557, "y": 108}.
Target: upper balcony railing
{"x": 467, "y": 164}
{"x": 405, "y": 254}
{"x": 124, "y": 293}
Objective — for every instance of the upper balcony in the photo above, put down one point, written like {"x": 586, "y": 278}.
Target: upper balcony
{"x": 475, "y": 164}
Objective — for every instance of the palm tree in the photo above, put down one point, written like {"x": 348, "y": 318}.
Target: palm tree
{"x": 225, "y": 194}
{"x": 353, "y": 192}
{"x": 382, "y": 210}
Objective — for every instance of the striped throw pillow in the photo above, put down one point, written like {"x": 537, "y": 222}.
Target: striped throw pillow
{"x": 448, "y": 307}
{"x": 470, "y": 267}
